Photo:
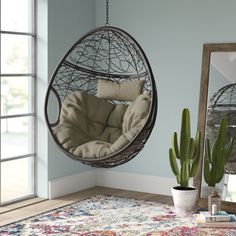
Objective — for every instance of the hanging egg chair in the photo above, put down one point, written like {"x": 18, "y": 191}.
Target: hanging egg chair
{"x": 106, "y": 99}
{"x": 221, "y": 105}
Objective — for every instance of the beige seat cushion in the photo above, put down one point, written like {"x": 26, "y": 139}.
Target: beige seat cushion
{"x": 121, "y": 91}
{"x": 136, "y": 113}
{"x": 91, "y": 127}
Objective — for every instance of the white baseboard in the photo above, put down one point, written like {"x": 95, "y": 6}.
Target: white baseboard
{"x": 135, "y": 182}
{"x": 70, "y": 184}
{"x": 111, "y": 179}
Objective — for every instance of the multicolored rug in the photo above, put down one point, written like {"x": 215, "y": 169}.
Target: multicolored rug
{"x": 110, "y": 216}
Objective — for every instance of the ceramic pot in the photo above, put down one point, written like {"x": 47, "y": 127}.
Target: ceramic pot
{"x": 184, "y": 200}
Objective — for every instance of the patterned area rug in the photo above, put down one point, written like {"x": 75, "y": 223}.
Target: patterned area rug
{"x": 110, "y": 216}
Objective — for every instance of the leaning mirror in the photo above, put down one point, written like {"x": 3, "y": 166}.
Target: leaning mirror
{"x": 218, "y": 101}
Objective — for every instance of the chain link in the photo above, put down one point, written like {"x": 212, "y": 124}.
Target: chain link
{"x": 107, "y": 12}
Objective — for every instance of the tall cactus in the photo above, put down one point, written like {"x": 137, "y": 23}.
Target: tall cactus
{"x": 187, "y": 152}
{"x": 217, "y": 156}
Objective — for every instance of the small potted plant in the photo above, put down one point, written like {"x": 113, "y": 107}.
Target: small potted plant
{"x": 216, "y": 155}
{"x": 184, "y": 160}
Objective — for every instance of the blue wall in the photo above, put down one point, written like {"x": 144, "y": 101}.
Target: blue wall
{"x": 216, "y": 81}
{"x": 68, "y": 20}
{"x": 172, "y": 34}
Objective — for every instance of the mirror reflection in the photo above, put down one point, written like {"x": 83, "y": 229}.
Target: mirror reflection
{"x": 221, "y": 103}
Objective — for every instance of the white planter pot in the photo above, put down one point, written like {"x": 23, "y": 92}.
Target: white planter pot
{"x": 184, "y": 200}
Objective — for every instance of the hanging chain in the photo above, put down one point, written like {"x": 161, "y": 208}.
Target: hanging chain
{"x": 107, "y": 12}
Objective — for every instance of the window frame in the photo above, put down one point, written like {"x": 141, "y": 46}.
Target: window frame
{"x": 32, "y": 98}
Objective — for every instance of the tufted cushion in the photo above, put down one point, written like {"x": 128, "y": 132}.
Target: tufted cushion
{"x": 91, "y": 127}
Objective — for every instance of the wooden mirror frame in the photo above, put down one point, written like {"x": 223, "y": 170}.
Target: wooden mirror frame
{"x": 203, "y": 100}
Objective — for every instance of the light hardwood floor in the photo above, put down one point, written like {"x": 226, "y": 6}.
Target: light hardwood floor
{"x": 10, "y": 215}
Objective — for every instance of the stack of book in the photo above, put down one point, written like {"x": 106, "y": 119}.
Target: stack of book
{"x": 222, "y": 219}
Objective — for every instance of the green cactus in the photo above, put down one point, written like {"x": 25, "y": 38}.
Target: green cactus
{"x": 186, "y": 153}
{"x": 216, "y": 157}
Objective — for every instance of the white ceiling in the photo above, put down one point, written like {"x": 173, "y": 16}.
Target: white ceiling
{"x": 225, "y": 63}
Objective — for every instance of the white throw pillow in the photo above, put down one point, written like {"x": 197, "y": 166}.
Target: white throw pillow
{"x": 121, "y": 91}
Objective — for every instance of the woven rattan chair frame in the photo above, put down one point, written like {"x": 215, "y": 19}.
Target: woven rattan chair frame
{"x": 103, "y": 53}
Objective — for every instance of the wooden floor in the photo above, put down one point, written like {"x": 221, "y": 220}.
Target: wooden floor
{"x": 10, "y": 215}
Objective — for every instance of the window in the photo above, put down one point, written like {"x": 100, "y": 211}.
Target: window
{"x": 17, "y": 113}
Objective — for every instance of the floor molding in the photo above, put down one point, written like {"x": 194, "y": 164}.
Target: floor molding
{"x": 110, "y": 179}
{"x": 135, "y": 182}
{"x": 71, "y": 184}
